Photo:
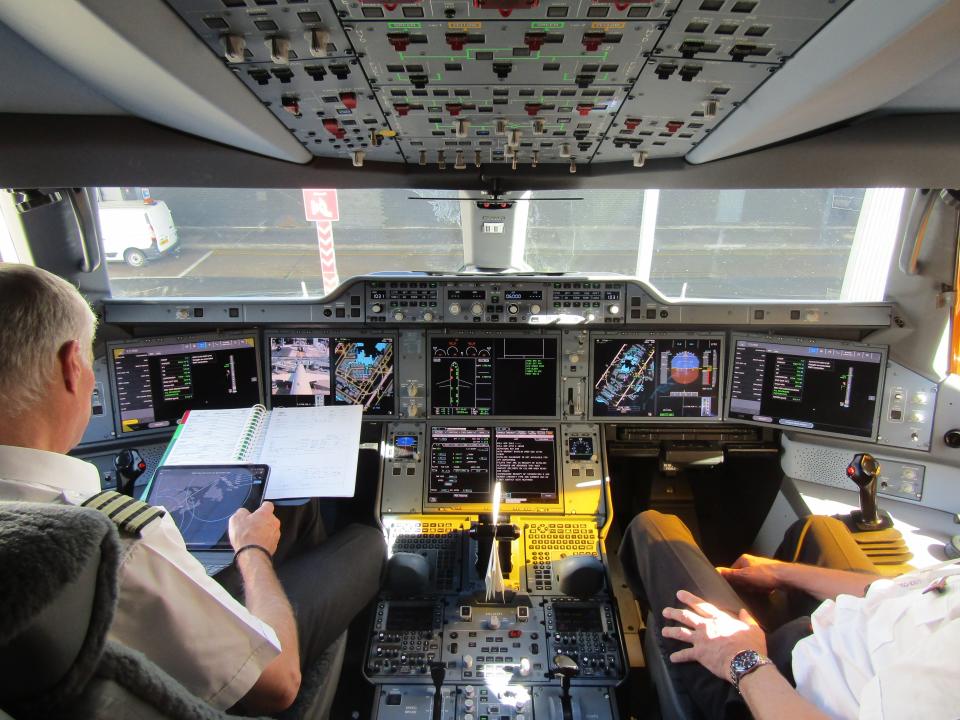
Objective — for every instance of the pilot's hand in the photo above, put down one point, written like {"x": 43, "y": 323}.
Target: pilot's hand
{"x": 751, "y": 572}
{"x": 715, "y": 636}
{"x": 258, "y": 528}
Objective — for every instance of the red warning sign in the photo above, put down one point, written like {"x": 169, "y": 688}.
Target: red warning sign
{"x": 321, "y": 205}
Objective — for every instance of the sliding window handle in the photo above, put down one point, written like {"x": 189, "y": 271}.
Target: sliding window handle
{"x": 88, "y": 241}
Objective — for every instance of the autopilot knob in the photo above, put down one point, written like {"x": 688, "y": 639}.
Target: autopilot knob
{"x": 864, "y": 470}
{"x": 129, "y": 465}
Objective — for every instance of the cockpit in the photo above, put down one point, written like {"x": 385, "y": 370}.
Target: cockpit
{"x": 497, "y": 277}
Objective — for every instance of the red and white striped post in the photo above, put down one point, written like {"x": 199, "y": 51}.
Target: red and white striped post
{"x": 320, "y": 207}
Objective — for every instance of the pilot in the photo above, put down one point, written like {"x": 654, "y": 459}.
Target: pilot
{"x": 300, "y": 590}
{"x": 872, "y": 648}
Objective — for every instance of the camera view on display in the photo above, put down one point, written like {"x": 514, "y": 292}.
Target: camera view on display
{"x": 158, "y": 383}
{"x": 465, "y": 462}
{"x": 493, "y": 376}
{"x": 300, "y": 372}
{"x": 811, "y": 387}
{"x": 657, "y": 377}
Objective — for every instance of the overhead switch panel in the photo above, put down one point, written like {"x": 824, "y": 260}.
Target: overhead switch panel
{"x": 517, "y": 83}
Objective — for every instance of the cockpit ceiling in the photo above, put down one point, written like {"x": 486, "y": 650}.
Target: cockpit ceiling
{"x": 522, "y": 82}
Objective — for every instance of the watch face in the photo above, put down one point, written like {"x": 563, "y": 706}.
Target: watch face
{"x": 744, "y": 661}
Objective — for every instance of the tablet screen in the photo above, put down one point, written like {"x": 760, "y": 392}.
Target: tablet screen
{"x": 201, "y": 499}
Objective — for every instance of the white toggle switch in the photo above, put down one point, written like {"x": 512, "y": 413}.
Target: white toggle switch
{"x": 493, "y": 622}
{"x": 467, "y": 662}
{"x": 524, "y": 667}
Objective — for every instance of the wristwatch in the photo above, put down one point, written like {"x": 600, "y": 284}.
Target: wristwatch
{"x": 744, "y": 663}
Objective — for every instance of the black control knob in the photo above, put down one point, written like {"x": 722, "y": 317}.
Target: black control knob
{"x": 130, "y": 465}
{"x": 864, "y": 471}
{"x": 952, "y": 438}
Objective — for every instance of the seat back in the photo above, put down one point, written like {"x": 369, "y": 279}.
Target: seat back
{"x": 58, "y": 567}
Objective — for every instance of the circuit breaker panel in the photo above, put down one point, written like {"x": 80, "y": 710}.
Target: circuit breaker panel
{"x": 464, "y": 83}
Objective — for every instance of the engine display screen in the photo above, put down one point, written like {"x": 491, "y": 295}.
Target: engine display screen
{"x": 657, "y": 377}
{"x": 806, "y": 385}
{"x": 479, "y": 377}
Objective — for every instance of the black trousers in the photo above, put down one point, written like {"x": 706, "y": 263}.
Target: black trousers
{"x": 659, "y": 557}
{"x": 327, "y": 580}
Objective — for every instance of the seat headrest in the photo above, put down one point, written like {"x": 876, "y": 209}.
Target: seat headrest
{"x": 58, "y": 568}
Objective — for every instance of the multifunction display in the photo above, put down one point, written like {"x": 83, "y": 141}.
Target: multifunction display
{"x": 157, "y": 383}
{"x": 308, "y": 371}
{"x": 465, "y": 462}
{"x": 807, "y": 386}
{"x": 657, "y": 377}
{"x": 493, "y": 376}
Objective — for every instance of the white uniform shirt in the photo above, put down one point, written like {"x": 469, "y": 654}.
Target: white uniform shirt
{"x": 168, "y": 608}
{"x": 893, "y": 654}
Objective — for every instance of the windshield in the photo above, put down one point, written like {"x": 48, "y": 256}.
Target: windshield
{"x": 712, "y": 244}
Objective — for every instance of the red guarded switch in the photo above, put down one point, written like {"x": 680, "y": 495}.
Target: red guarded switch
{"x": 631, "y": 124}
{"x": 673, "y": 126}
{"x": 534, "y": 40}
{"x": 532, "y": 109}
{"x": 332, "y": 126}
{"x": 400, "y": 41}
{"x": 456, "y": 40}
{"x": 349, "y": 100}
{"x": 402, "y": 109}
{"x": 591, "y": 40}
{"x": 454, "y": 109}
{"x": 584, "y": 109}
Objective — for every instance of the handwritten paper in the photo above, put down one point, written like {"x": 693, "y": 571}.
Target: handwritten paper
{"x": 312, "y": 452}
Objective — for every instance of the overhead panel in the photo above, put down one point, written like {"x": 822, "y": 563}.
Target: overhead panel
{"x": 515, "y": 82}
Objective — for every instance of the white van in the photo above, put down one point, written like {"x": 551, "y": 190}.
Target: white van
{"x": 134, "y": 231}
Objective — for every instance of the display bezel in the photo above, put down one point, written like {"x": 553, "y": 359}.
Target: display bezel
{"x": 255, "y": 334}
{"x": 330, "y": 332}
{"x": 508, "y": 508}
{"x": 807, "y": 342}
{"x": 455, "y": 420}
{"x": 659, "y": 335}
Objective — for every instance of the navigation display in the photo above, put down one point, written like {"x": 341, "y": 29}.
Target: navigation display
{"x": 308, "y": 371}
{"x": 157, "y": 382}
{"x": 465, "y": 462}
{"x": 657, "y": 377}
{"x": 493, "y": 376}
{"x": 809, "y": 385}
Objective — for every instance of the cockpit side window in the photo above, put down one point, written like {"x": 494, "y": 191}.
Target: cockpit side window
{"x": 13, "y": 247}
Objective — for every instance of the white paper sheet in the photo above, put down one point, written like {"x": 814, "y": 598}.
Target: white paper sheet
{"x": 209, "y": 437}
{"x": 312, "y": 451}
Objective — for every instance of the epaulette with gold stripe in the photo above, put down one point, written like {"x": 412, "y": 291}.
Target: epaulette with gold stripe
{"x": 128, "y": 514}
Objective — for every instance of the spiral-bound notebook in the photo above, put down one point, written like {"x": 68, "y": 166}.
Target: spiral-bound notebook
{"x": 307, "y": 448}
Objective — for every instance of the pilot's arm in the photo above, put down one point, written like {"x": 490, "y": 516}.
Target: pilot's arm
{"x": 715, "y": 638}
{"x": 751, "y": 572}
{"x": 259, "y": 533}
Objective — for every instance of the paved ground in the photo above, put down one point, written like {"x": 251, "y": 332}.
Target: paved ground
{"x": 278, "y": 261}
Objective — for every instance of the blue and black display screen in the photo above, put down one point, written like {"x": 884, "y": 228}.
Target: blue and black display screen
{"x": 656, "y": 377}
